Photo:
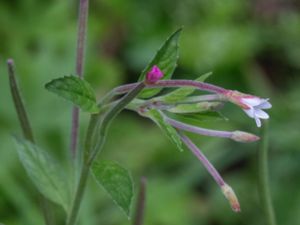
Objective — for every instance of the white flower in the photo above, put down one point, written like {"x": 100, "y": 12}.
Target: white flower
{"x": 254, "y": 106}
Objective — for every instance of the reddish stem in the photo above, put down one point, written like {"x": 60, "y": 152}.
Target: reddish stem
{"x": 82, "y": 28}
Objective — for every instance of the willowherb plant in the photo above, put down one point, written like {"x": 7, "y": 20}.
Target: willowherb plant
{"x": 167, "y": 111}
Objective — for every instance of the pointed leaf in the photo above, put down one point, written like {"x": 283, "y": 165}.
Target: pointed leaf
{"x": 116, "y": 181}
{"x": 196, "y": 107}
{"x": 166, "y": 59}
{"x": 181, "y": 93}
{"x": 76, "y": 90}
{"x": 44, "y": 172}
{"x": 170, "y": 131}
{"x": 199, "y": 119}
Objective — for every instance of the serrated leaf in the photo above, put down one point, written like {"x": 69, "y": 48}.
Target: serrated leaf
{"x": 76, "y": 90}
{"x": 45, "y": 172}
{"x": 166, "y": 59}
{"x": 181, "y": 93}
{"x": 170, "y": 131}
{"x": 116, "y": 181}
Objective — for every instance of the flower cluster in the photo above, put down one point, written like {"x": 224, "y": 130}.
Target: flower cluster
{"x": 252, "y": 105}
{"x": 180, "y": 102}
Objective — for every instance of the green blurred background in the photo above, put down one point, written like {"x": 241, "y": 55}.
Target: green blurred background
{"x": 252, "y": 46}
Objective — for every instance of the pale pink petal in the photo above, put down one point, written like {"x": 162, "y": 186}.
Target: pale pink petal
{"x": 257, "y": 121}
{"x": 251, "y": 101}
{"x": 249, "y": 112}
{"x": 265, "y": 105}
{"x": 261, "y": 114}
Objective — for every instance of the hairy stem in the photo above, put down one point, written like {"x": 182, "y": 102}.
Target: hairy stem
{"x": 140, "y": 206}
{"x": 92, "y": 147}
{"x": 79, "y": 194}
{"x": 173, "y": 83}
{"x": 197, "y": 152}
{"x": 112, "y": 113}
{"x": 203, "y": 98}
{"x": 27, "y": 131}
{"x": 82, "y": 28}
{"x": 198, "y": 130}
{"x": 263, "y": 175}
{"x": 226, "y": 189}
{"x": 237, "y": 135}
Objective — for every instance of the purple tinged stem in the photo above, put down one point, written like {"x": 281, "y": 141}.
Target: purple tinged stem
{"x": 202, "y": 98}
{"x": 197, "y": 152}
{"x": 82, "y": 27}
{"x": 74, "y": 131}
{"x": 141, "y": 202}
{"x": 174, "y": 83}
{"x": 198, "y": 130}
{"x": 189, "y": 83}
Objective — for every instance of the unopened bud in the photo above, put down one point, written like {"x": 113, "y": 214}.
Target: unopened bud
{"x": 230, "y": 195}
{"x": 154, "y": 75}
{"x": 241, "y": 136}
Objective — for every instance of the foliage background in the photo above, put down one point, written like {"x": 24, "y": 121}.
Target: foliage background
{"x": 252, "y": 46}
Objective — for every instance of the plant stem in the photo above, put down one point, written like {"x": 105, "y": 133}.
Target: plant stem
{"x": 263, "y": 176}
{"x": 111, "y": 114}
{"x": 237, "y": 135}
{"x": 82, "y": 28}
{"x": 203, "y": 98}
{"x": 206, "y": 163}
{"x": 190, "y": 83}
{"x": 140, "y": 206}
{"x": 173, "y": 83}
{"x": 226, "y": 189}
{"x": 79, "y": 194}
{"x": 84, "y": 170}
{"x": 92, "y": 149}
{"x": 27, "y": 131}
{"x": 198, "y": 130}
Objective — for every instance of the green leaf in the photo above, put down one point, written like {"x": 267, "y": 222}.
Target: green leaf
{"x": 45, "y": 172}
{"x": 181, "y": 93}
{"x": 170, "y": 131}
{"x": 76, "y": 90}
{"x": 199, "y": 119}
{"x": 116, "y": 181}
{"x": 196, "y": 107}
{"x": 166, "y": 59}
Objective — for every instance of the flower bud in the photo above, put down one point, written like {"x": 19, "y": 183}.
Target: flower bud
{"x": 154, "y": 75}
{"x": 230, "y": 195}
{"x": 241, "y": 136}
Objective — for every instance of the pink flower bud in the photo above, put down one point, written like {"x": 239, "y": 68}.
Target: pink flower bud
{"x": 154, "y": 75}
{"x": 230, "y": 195}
